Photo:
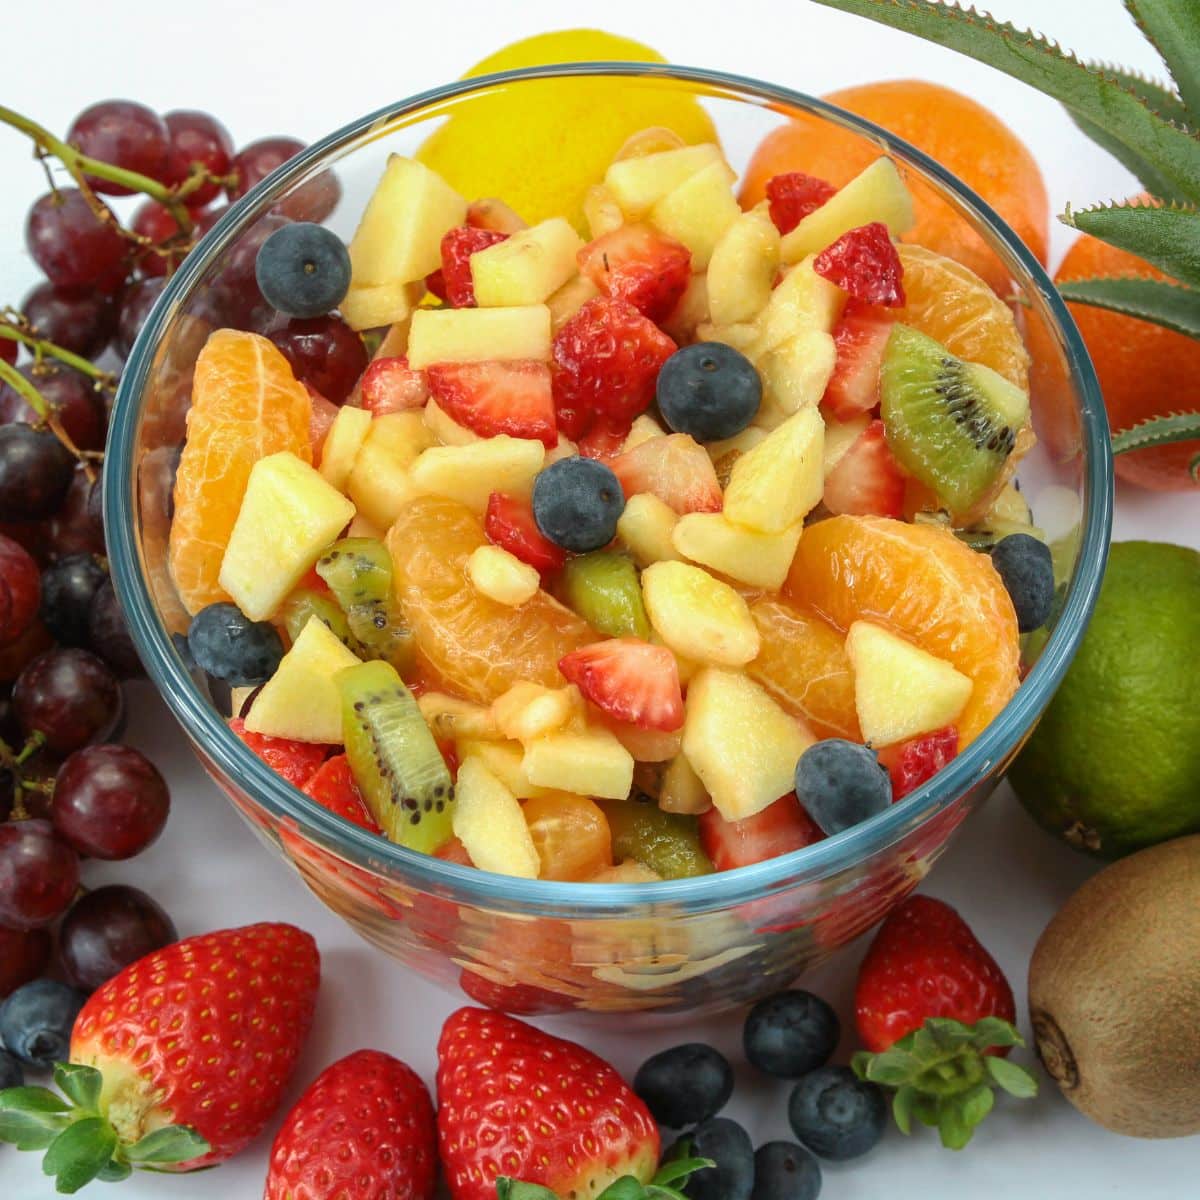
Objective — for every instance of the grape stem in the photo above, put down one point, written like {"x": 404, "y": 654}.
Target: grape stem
{"x": 22, "y": 386}
{"x": 41, "y": 349}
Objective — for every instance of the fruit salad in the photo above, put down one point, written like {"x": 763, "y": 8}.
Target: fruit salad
{"x": 641, "y": 548}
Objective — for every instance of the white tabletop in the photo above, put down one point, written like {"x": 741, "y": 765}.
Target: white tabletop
{"x": 304, "y": 68}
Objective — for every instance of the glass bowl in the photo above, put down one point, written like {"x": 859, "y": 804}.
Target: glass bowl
{"x": 535, "y": 946}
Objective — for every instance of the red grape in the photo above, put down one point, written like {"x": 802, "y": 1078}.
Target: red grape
{"x": 197, "y": 137}
{"x": 38, "y": 875}
{"x": 151, "y": 220}
{"x": 78, "y": 526}
{"x": 8, "y": 792}
{"x": 20, "y": 590}
{"x": 8, "y": 350}
{"x": 78, "y": 406}
{"x": 24, "y": 955}
{"x": 72, "y": 245}
{"x": 108, "y": 634}
{"x": 68, "y": 585}
{"x": 16, "y": 657}
{"x": 35, "y": 472}
{"x": 235, "y": 295}
{"x": 325, "y": 353}
{"x": 70, "y": 697}
{"x": 125, "y": 134}
{"x": 108, "y": 929}
{"x": 79, "y": 321}
{"x": 135, "y": 308}
{"x": 312, "y": 201}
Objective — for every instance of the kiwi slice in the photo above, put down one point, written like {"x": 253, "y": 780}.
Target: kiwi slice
{"x": 359, "y": 573}
{"x": 951, "y": 424}
{"x": 603, "y": 588}
{"x": 396, "y": 763}
{"x": 306, "y": 602}
{"x": 667, "y": 843}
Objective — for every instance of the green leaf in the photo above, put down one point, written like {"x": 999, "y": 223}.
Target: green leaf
{"x": 1154, "y": 182}
{"x": 1105, "y": 101}
{"x": 1015, "y": 1080}
{"x": 1161, "y": 431}
{"x": 31, "y": 1130}
{"x": 949, "y": 1034}
{"x": 31, "y": 1100}
{"x": 976, "y": 1104}
{"x": 680, "y": 1168}
{"x": 517, "y": 1189}
{"x": 1169, "y": 304}
{"x": 902, "y": 1109}
{"x": 169, "y": 1145}
{"x": 1173, "y": 27}
{"x": 954, "y": 1130}
{"x": 80, "y": 1084}
{"x": 80, "y": 1153}
{"x": 892, "y": 1068}
{"x": 628, "y": 1187}
{"x": 1168, "y": 237}
{"x": 995, "y": 1031}
{"x": 115, "y": 1171}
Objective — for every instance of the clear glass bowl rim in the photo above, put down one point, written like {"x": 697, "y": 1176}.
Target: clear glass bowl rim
{"x": 707, "y": 893}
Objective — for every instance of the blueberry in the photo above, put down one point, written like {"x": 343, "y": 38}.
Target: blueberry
{"x": 180, "y": 642}
{"x": 841, "y": 783}
{"x": 230, "y": 646}
{"x": 709, "y": 390}
{"x": 836, "y": 1114}
{"x": 729, "y": 1146}
{"x": 303, "y": 270}
{"x": 790, "y": 1033}
{"x": 785, "y": 1171}
{"x": 36, "y": 1021}
{"x": 68, "y": 586}
{"x": 685, "y": 1085}
{"x": 1027, "y": 569}
{"x": 577, "y": 503}
{"x": 11, "y": 1074}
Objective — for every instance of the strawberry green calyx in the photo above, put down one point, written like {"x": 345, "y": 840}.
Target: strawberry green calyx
{"x": 941, "y": 1075}
{"x": 628, "y": 1187}
{"x": 80, "y": 1142}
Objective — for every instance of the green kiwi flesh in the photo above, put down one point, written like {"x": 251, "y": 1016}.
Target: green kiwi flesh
{"x": 667, "y": 843}
{"x": 307, "y": 602}
{"x": 359, "y": 573}
{"x": 603, "y": 588}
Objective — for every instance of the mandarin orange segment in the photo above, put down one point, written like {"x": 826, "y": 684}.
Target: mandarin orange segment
{"x": 922, "y": 582}
{"x": 478, "y": 647}
{"x": 246, "y": 404}
{"x": 803, "y": 664}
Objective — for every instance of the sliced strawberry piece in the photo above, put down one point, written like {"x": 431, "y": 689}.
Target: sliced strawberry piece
{"x": 390, "y": 385}
{"x": 297, "y": 762}
{"x": 334, "y": 786}
{"x": 779, "y": 829}
{"x": 676, "y": 469}
{"x": 629, "y": 679}
{"x": 791, "y": 197}
{"x": 641, "y": 265}
{"x": 455, "y": 285}
{"x": 601, "y": 442}
{"x": 914, "y": 762}
{"x": 860, "y": 338}
{"x": 324, "y": 413}
{"x": 491, "y": 398}
{"x": 509, "y": 522}
{"x": 606, "y": 363}
{"x": 864, "y": 262}
{"x": 867, "y": 480}
{"x": 453, "y": 851}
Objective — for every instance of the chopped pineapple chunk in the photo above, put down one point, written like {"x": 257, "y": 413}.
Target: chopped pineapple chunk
{"x": 803, "y": 300}
{"x": 644, "y": 429}
{"x": 589, "y": 762}
{"x": 569, "y": 299}
{"x": 490, "y": 824}
{"x": 528, "y": 267}
{"x": 449, "y": 718}
{"x": 645, "y": 527}
{"x": 479, "y": 335}
{"x": 638, "y": 183}
{"x": 505, "y": 760}
{"x": 369, "y": 307}
{"x": 839, "y": 437}
{"x": 681, "y": 790}
{"x": 781, "y": 480}
{"x": 699, "y": 616}
{"x": 601, "y": 211}
{"x": 502, "y": 576}
{"x": 699, "y": 211}
{"x": 470, "y": 474}
{"x": 759, "y": 559}
{"x": 379, "y": 481}
{"x": 445, "y": 428}
{"x": 742, "y": 269}
{"x": 528, "y": 710}
{"x": 342, "y": 444}
{"x": 795, "y": 374}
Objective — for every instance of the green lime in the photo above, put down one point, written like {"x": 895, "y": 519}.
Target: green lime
{"x": 1114, "y": 764}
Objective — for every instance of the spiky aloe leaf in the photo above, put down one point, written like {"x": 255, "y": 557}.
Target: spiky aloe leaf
{"x": 1168, "y": 237}
{"x": 1168, "y": 151}
{"x": 1173, "y": 27}
{"x": 1159, "y": 97}
{"x": 1168, "y": 304}
{"x": 1161, "y": 431}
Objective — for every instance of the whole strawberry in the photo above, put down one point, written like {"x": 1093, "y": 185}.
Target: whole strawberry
{"x": 177, "y": 1062}
{"x": 515, "y": 1102}
{"x": 365, "y": 1128}
{"x": 937, "y": 1010}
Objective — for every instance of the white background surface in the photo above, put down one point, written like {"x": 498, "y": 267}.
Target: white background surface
{"x": 304, "y": 69}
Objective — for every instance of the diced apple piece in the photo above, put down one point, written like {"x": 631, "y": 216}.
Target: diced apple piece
{"x": 445, "y": 428}
{"x": 742, "y": 269}
{"x": 494, "y": 215}
{"x": 301, "y": 700}
{"x": 289, "y": 514}
{"x": 588, "y": 762}
{"x": 794, "y": 375}
{"x": 839, "y": 437}
{"x": 645, "y": 527}
{"x": 528, "y": 710}
{"x": 450, "y": 718}
{"x": 379, "y": 483}
{"x": 699, "y": 211}
{"x": 505, "y": 760}
{"x": 758, "y": 559}
{"x": 470, "y": 474}
{"x": 361, "y": 527}
{"x": 399, "y": 238}
{"x": 743, "y": 336}
{"x": 699, "y": 616}
{"x": 876, "y": 193}
{"x": 803, "y": 300}
{"x": 569, "y": 299}
{"x": 690, "y": 313}
{"x": 740, "y": 743}
{"x": 900, "y": 690}
{"x": 643, "y": 429}
{"x": 342, "y": 444}
{"x": 442, "y": 335}
{"x": 501, "y": 576}
{"x": 527, "y": 268}
{"x": 780, "y": 481}
{"x": 637, "y": 184}
{"x": 369, "y": 307}
{"x": 490, "y": 824}
{"x": 681, "y": 790}
{"x": 741, "y": 443}
{"x": 601, "y": 211}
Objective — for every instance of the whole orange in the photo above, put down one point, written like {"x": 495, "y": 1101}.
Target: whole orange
{"x": 952, "y": 128}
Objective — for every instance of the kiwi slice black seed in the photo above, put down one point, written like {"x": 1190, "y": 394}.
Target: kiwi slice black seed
{"x": 396, "y": 763}
{"x": 667, "y": 843}
{"x": 359, "y": 573}
{"x": 951, "y": 424}
{"x": 307, "y": 602}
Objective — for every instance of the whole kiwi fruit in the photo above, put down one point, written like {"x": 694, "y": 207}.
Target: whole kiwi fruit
{"x": 1114, "y": 994}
